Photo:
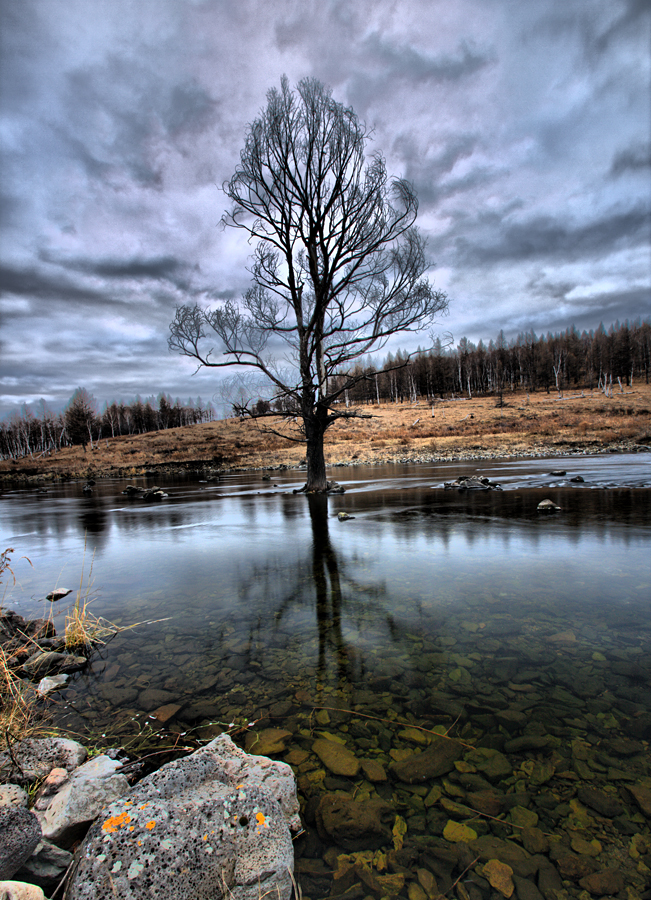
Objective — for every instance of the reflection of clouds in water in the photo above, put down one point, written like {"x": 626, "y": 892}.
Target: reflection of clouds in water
{"x": 204, "y": 551}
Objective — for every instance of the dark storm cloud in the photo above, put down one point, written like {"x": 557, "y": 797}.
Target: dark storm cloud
{"x": 633, "y": 159}
{"x": 136, "y": 267}
{"x": 120, "y": 110}
{"x": 398, "y": 60}
{"x": 390, "y": 65}
{"x": 546, "y": 237}
{"x": 633, "y": 15}
{"x": 25, "y": 282}
{"x": 432, "y": 174}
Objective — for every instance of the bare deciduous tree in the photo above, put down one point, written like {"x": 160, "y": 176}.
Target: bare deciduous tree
{"x": 338, "y": 265}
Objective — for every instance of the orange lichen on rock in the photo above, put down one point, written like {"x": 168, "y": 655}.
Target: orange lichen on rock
{"x": 151, "y": 824}
{"x": 261, "y": 819}
{"x": 114, "y": 822}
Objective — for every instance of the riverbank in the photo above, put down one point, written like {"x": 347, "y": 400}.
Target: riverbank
{"x": 516, "y": 425}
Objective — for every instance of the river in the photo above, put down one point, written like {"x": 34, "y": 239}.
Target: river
{"x": 428, "y": 607}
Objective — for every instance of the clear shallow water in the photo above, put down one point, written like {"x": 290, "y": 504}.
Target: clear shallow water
{"x": 429, "y": 607}
{"x": 243, "y": 544}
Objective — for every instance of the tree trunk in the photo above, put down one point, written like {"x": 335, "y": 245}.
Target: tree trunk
{"x": 316, "y": 468}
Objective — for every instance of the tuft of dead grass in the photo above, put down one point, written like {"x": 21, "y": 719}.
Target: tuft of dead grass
{"x": 20, "y": 713}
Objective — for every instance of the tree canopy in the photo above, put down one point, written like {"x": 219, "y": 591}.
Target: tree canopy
{"x": 338, "y": 266}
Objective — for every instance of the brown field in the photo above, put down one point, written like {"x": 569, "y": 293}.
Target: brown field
{"x": 536, "y": 424}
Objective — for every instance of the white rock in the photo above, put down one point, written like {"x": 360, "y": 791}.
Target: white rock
{"x": 12, "y": 795}
{"x": 52, "y": 683}
{"x": 19, "y": 890}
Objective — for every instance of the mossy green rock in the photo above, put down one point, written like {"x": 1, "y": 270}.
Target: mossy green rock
{"x": 268, "y": 742}
{"x": 337, "y": 758}
{"x": 523, "y": 818}
{"x": 457, "y": 833}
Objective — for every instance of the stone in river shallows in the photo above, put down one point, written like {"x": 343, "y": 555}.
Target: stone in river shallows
{"x": 355, "y": 824}
{"x": 437, "y": 760}
{"x": 268, "y": 742}
{"x": 337, "y": 758}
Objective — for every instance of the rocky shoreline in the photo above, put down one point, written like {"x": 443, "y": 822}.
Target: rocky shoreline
{"x": 217, "y": 822}
{"x": 206, "y": 467}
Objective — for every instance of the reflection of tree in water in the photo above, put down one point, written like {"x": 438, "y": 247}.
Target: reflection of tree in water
{"x": 334, "y": 592}
{"x": 93, "y": 521}
{"x": 282, "y": 595}
{"x": 325, "y": 573}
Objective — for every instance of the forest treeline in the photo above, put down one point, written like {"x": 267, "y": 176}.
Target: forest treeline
{"x": 30, "y": 434}
{"x": 570, "y": 359}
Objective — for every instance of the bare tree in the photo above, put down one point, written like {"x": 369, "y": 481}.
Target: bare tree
{"x": 337, "y": 269}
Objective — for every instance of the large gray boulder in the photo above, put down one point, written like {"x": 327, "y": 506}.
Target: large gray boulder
{"x": 20, "y": 835}
{"x": 215, "y": 824}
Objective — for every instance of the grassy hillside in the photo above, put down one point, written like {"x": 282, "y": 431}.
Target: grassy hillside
{"x": 538, "y": 423}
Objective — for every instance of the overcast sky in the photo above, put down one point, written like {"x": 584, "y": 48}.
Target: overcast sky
{"x": 524, "y": 126}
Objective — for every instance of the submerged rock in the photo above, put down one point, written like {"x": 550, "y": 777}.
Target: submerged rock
{"x": 606, "y": 882}
{"x": 437, "y": 760}
{"x": 154, "y": 493}
{"x": 49, "y": 685}
{"x": 58, "y": 594}
{"x": 337, "y": 758}
{"x": 268, "y": 742}
{"x": 605, "y": 804}
{"x": 43, "y": 663}
{"x": 355, "y": 825}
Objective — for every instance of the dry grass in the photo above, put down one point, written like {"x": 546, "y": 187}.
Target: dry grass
{"x": 18, "y": 699}
{"x": 540, "y": 422}
{"x": 83, "y": 630}
{"x": 20, "y": 713}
